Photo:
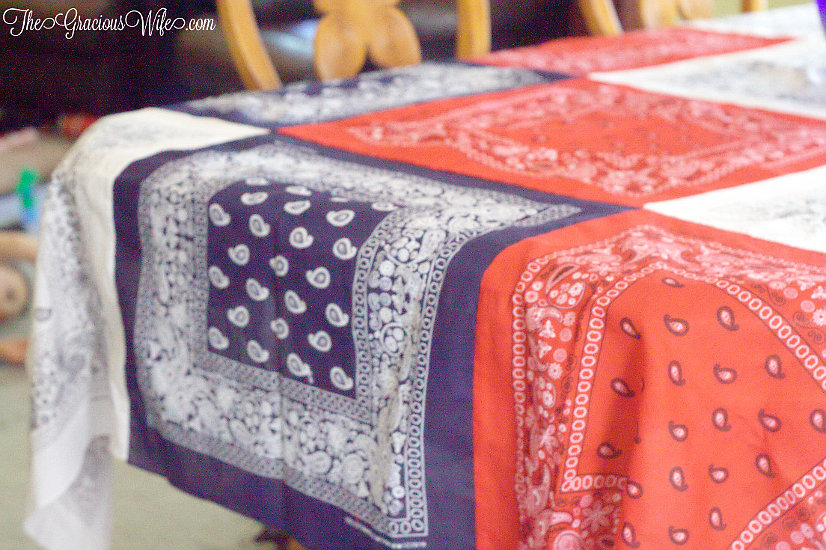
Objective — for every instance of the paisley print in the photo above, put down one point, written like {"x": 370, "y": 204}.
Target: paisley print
{"x": 725, "y": 375}
{"x": 299, "y": 315}
{"x": 818, "y": 420}
{"x": 586, "y": 55}
{"x": 678, "y": 536}
{"x": 774, "y": 367}
{"x": 282, "y": 348}
{"x": 717, "y": 475}
{"x": 720, "y": 419}
{"x": 628, "y": 328}
{"x": 678, "y": 431}
{"x": 620, "y": 386}
{"x": 715, "y": 519}
{"x": 726, "y": 318}
{"x": 677, "y": 478}
{"x": 586, "y": 139}
{"x": 696, "y": 441}
{"x": 678, "y": 327}
{"x": 309, "y": 102}
{"x": 675, "y": 372}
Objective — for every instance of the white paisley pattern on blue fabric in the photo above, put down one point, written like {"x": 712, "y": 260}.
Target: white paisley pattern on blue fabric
{"x": 360, "y": 445}
{"x": 303, "y": 102}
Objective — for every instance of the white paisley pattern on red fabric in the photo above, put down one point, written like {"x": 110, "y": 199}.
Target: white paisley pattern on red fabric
{"x": 638, "y": 49}
{"x": 584, "y": 319}
{"x": 627, "y": 143}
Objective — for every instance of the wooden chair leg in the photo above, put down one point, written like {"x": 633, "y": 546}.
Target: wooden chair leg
{"x": 280, "y": 538}
{"x": 13, "y": 351}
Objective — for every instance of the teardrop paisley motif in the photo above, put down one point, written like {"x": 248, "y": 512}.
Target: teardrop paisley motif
{"x": 818, "y": 420}
{"x": 280, "y": 265}
{"x": 299, "y": 190}
{"x": 336, "y": 316}
{"x": 771, "y": 423}
{"x": 715, "y": 518}
{"x": 257, "y": 353}
{"x": 720, "y": 419}
{"x": 319, "y": 277}
{"x": 217, "y": 339}
{"x": 675, "y": 372}
{"x": 258, "y": 226}
{"x": 606, "y": 450}
{"x": 561, "y": 272}
{"x": 300, "y": 238}
{"x": 677, "y": 327}
{"x": 677, "y": 478}
{"x": 629, "y": 536}
{"x": 678, "y": 431}
{"x": 256, "y": 290}
{"x": 280, "y": 328}
{"x": 724, "y": 375}
{"x": 621, "y": 387}
{"x": 239, "y": 316}
{"x": 294, "y": 303}
{"x": 633, "y": 489}
{"x": 218, "y": 215}
{"x": 764, "y": 465}
{"x": 296, "y": 208}
{"x": 678, "y": 536}
{"x": 671, "y": 281}
{"x": 628, "y": 328}
{"x": 239, "y": 254}
{"x": 299, "y": 368}
{"x": 344, "y": 249}
{"x": 340, "y": 379}
{"x": 774, "y": 367}
{"x": 321, "y": 341}
{"x": 251, "y": 199}
{"x": 340, "y": 218}
{"x": 217, "y": 277}
{"x": 726, "y": 318}
{"x": 717, "y": 475}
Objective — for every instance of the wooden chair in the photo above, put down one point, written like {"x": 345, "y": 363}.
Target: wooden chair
{"x": 349, "y": 33}
{"x": 601, "y": 16}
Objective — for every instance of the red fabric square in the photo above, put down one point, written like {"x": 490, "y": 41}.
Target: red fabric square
{"x": 587, "y": 140}
{"x": 633, "y": 50}
{"x": 669, "y": 390}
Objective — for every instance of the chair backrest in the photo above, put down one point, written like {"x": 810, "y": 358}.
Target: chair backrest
{"x": 349, "y": 33}
{"x": 601, "y": 16}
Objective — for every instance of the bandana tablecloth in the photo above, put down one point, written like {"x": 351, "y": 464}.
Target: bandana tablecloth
{"x": 570, "y": 296}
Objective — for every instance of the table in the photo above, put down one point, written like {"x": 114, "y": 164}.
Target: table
{"x": 566, "y": 296}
